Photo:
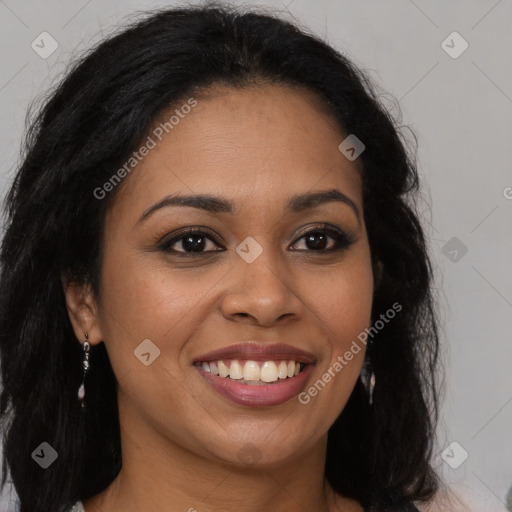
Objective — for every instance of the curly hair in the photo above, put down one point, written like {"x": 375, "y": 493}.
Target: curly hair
{"x": 89, "y": 125}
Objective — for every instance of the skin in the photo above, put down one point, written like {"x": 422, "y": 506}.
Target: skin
{"x": 181, "y": 440}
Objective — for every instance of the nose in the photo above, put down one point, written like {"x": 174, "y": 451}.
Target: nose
{"x": 259, "y": 293}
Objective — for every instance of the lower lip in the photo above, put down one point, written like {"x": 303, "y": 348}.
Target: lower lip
{"x": 262, "y": 395}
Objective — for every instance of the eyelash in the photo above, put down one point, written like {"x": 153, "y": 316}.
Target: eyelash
{"x": 342, "y": 240}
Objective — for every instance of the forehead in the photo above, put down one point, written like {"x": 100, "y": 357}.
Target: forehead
{"x": 258, "y": 143}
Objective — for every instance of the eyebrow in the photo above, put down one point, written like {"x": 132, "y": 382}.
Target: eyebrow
{"x": 216, "y": 204}
{"x": 310, "y": 200}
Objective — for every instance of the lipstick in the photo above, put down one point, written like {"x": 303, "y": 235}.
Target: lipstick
{"x": 256, "y": 374}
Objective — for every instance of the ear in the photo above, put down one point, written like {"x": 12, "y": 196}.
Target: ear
{"x": 82, "y": 310}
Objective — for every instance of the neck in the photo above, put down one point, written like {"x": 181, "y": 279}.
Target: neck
{"x": 158, "y": 475}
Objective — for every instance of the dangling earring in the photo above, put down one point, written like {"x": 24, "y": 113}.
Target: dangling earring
{"x": 371, "y": 385}
{"x": 368, "y": 378}
{"x": 85, "y": 365}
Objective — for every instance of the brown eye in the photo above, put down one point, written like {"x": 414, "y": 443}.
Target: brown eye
{"x": 323, "y": 240}
{"x": 191, "y": 242}
{"x": 316, "y": 241}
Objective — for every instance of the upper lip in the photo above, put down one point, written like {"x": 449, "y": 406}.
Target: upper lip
{"x": 257, "y": 351}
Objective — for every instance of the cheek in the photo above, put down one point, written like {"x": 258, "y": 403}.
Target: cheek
{"x": 147, "y": 295}
{"x": 343, "y": 308}
{"x": 151, "y": 301}
{"x": 343, "y": 300}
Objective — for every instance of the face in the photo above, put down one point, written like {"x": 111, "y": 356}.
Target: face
{"x": 239, "y": 238}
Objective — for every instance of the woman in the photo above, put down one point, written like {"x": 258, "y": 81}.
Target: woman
{"x": 216, "y": 293}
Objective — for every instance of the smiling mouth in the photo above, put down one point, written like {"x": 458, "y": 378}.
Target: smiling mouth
{"x": 256, "y": 373}
{"x": 256, "y": 383}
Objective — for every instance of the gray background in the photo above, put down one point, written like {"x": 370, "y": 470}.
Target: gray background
{"x": 461, "y": 111}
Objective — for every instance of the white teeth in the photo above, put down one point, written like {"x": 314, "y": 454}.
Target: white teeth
{"x": 253, "y": 372}
{"x": 214, "y": 369}
{"x": 236, "y": 371}
{"x": 269, "y": 371}
{"x": 223, "y": 369}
